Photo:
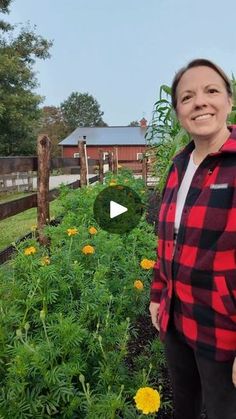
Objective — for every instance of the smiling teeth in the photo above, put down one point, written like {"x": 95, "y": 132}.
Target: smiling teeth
{"x": 206, "y": 116}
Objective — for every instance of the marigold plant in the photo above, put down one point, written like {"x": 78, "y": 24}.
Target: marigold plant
{"x": 88, "y": 250}
{"x": 138, "y": 284}
{"x": 93, "y": 230}
{"x": 30, "y": 250}
{"x": 72, "y": 231}
{"x": 147, "y": 263}
{"x": 147, "y": 400}
{"x": 45, "y": 260}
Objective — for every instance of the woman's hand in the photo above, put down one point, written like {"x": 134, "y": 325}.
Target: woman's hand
{"x": 234, "y": 372}
{"x": 154, "y": 310}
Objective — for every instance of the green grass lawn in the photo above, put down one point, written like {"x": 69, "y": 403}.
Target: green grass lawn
{"x": 17, "y": 226}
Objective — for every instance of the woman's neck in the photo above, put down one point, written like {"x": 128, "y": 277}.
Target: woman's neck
{"x": 205, "y": 146}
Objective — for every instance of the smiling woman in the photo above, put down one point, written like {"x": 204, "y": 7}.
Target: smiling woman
{"x": 203, "y": 104}
{"x": 193, "y": 293}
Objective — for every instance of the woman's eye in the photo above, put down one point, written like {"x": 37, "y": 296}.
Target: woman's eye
{"x": 186, "y": 98}
{"x": 212, "y": 90}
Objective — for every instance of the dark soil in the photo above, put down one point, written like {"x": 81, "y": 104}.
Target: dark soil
{"x": 145, "y": 330}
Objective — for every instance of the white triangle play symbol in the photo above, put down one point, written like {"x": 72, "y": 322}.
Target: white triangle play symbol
{"x": 116, "y": 209}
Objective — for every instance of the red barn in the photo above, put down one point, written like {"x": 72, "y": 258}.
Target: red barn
{"x": 129, "y": 141}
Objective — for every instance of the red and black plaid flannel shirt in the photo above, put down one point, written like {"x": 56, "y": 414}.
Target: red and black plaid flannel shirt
{"x": 200, "y": 272}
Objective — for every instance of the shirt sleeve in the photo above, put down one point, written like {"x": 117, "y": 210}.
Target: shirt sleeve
{"x": 157, "y": 284}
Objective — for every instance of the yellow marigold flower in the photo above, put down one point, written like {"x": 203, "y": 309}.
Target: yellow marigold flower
{"x": 147, "y": 400}
{"x": 93, "y": 230}
{"x": 147, "y": 263}
{"x": 30, "y": 250}
{"x": 45, "y": 260}
{"x": 72, "y": 231}
{"x": 33, "y": 227}
{"x": 88, "y": 250}
{"x": 112, "y": 184}
{"x": 138, "y": 284}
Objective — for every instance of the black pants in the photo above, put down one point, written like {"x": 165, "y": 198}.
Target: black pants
{"x": 197, "y": 381}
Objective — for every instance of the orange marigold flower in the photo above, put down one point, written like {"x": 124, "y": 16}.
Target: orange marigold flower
{"x": 93, "y": 230}
{"x": 30, "y": 250}
{"x": 147, "y": 263}
{"x": 72, "y": 231}
{"x": 138, "y": 284}
{"x": 88, "y": 250}
{"x": 45, "y": 260}
{"x": 147, "y": 400}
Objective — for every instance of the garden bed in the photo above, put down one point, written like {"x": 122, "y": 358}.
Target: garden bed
{"x": 76, "y": 335}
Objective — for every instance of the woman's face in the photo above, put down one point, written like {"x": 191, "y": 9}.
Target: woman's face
{"x": 203, "y": 102}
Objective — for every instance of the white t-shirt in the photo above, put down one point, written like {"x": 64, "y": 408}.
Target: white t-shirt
{"x": 183, "y": 190}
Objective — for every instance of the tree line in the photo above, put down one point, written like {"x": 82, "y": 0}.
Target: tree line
{"x": 22, "y": 116}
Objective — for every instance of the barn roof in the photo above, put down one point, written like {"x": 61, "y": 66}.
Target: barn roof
{"x": 107, "y": 136}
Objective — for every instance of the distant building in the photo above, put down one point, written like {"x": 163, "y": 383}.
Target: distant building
{"x": 129, "y": 141}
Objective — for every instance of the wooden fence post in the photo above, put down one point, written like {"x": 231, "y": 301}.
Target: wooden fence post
{"x": 144, "y": 169}
{"x": 111, "y": 161}
{"x": 115, "y": 160}
{"x": 44, "y": 150}
{"x": 83, "y": 164}
{"x": 101, "y": 171}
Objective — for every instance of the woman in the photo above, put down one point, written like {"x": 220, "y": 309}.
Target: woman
{"x": 193, "y": 293}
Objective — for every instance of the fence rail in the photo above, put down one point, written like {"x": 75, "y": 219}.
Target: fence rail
{"x": 43, "y": 164}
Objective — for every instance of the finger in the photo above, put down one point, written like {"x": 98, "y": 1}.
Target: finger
{"x": 234, "y": 374}
{"x": 156, "y": 324}
{"x": 234, "y": 378}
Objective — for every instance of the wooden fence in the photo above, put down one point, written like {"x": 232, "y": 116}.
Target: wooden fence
{"x": 43, "y": 164}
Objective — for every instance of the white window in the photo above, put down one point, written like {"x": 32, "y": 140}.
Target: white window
{"x": 139, "y": 156}
{"x": 105, "y": 155}
{"x": 76, "y": 155}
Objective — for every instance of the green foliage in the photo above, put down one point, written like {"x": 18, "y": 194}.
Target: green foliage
{"x": 66, "y": 323}
{"x": 232, "y": 116}
{"x": 165, "y": 136}
{"x": 82, "y": 110}
{"x": 134, "y": 124}
{"x": 53, "y": 124}
{"x": 19, "y": 105}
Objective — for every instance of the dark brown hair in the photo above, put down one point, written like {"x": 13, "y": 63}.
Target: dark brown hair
{"x": 197, "y": 63}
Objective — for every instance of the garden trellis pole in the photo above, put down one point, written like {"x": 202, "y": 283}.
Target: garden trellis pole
{"x": 111, "y": 161}
{"x": 144, "y": 169}
{"x": 43, "y": 217}
{"x": 115, "y": 154}
{"x": 83, "y": 163}
{"x": 101, "y": 172}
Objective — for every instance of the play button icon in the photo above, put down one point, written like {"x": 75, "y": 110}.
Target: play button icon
{"x": 118, "y": 209}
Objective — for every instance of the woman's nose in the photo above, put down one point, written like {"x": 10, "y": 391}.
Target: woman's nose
{"x": 199, "y": 100}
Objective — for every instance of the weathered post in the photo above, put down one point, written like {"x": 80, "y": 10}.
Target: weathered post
{"x": 83, "y": 164}
{"x": 111, "y": 161}
{"x": 144, "y": 169}
{"x": 115, "y": 160}
{"x": 44, "y": 151}
{"x": 101, "y": 171}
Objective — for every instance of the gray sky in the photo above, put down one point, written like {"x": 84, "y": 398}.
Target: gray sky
{"x": 122, "y": 51}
